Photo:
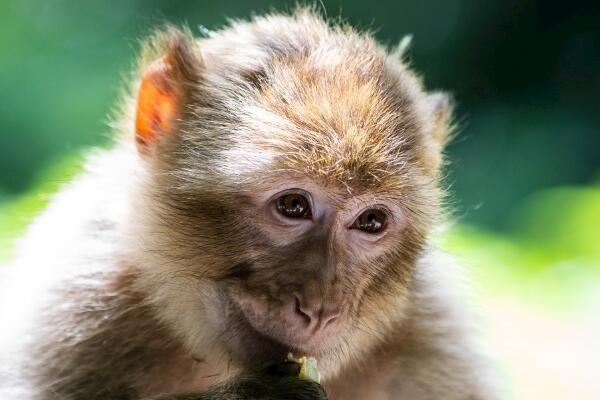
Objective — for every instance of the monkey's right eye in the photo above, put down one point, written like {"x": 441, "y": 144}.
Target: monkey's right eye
{"x": 293, "y": 205}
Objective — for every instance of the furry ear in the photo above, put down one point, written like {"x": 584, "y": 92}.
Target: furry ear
{"x": 165, "y": 86}
{"x": 439, "y": 110}
{"x": 440, "y": 107}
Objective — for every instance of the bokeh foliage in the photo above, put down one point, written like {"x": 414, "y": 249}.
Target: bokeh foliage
{"x": 525, "y": 165}
{"x": 524, "y": 74}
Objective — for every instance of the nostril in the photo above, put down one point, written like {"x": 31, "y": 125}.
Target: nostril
{"x": 298, "y": 308}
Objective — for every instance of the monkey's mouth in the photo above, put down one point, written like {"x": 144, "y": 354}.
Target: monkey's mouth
{"x": 252, "y": 346}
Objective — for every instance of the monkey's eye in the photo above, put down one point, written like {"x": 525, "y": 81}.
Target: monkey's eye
{"x": 370, "y": 221}
{"x": 293, "y": 205}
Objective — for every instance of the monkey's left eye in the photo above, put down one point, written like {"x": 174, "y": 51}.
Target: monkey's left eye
{"x": 370, "y": 221}
{"x": 293, "y": 205}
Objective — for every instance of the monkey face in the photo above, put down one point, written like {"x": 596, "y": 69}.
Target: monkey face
{"x": 312, "y": 249}
{"x": 284, "y": 263}
{"x": 292, "y": 196}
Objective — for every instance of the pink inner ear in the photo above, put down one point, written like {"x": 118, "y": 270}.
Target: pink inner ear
{"x": 156, "y": 104}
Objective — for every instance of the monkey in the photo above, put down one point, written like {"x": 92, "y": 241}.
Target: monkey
{"x": 273, "y": 187}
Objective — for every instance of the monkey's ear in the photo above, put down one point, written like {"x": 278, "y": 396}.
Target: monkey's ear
{"x": 166, "y": 86}
{"x": 440, "y": 107}
{"x": 439, "y": 111}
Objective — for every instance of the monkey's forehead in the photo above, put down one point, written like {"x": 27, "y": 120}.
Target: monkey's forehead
{"x": 351, "y": 161}
{"x": 330, "y": 124}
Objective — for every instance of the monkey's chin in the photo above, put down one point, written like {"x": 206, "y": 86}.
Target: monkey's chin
{"x": 252, "y": 348}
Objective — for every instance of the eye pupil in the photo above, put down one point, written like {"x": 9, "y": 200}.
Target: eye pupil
{"x": 371, "y": 221}
{"x": 293, "y": 205}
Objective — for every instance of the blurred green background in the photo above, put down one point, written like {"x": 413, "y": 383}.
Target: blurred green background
{"x": 525, "y": 168}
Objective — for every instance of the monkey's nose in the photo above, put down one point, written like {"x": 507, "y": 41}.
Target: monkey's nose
{"x": 312, "y": 318}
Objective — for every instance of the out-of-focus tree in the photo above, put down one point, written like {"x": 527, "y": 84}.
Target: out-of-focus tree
{"x": 525, "y": 75}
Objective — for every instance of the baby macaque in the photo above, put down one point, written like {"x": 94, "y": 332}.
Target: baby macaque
{"x": 272, "y": 189}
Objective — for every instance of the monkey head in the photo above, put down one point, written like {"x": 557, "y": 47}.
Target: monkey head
{"x": 288, "y": 183}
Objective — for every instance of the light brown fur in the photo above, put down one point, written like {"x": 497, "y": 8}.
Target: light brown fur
{"x": 136, "y": 302}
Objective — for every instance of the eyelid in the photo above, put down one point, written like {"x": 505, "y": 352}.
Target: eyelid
{"x": 274, "y": 197}
{"x": 380, "y": 207}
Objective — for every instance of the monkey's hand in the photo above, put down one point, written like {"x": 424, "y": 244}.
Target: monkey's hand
{"x": 276, "y": 382}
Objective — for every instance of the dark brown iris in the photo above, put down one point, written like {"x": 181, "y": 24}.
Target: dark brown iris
{"x": 293, "y": 205}
{"x": 370, "y": 221}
